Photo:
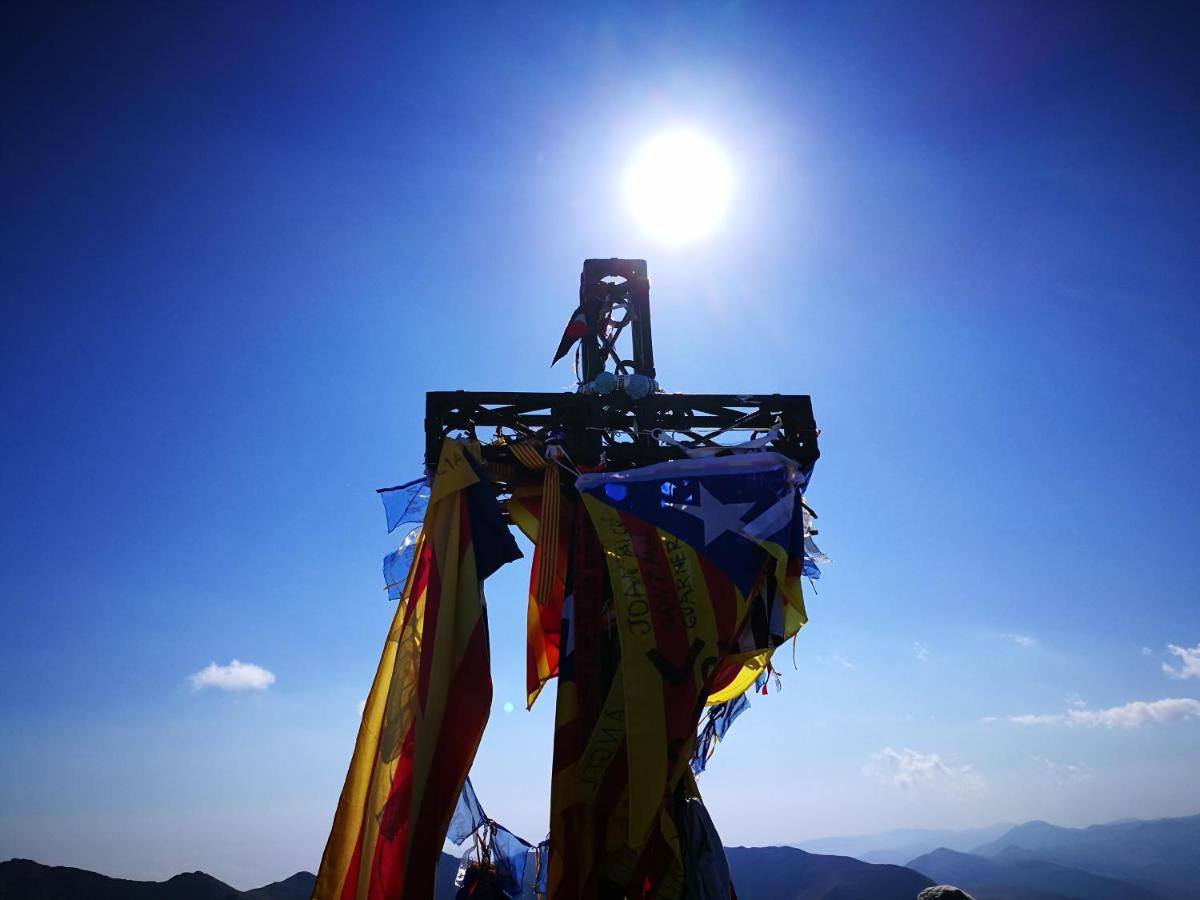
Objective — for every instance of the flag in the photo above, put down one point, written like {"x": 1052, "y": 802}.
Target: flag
{"x": 468, "y": 816}
{"x": 717, "y": 721}
{"x": 680, "y": 577}
{"x": 587, "y": 787}
{"x": 578, "y": 327}
{"x": 430, "y": 700}
{"x": 704, "y": 558}
{"x": 405, "y": 503}
{"x": 494, "y": 866}
{"x": 510, "y": 855}
{"x": 396, "y": 565}
{"x": 707, "y": 871}
{"x": 544, "y": 514}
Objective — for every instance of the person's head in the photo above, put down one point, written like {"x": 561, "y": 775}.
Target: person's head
{"x": 943, "y": 892}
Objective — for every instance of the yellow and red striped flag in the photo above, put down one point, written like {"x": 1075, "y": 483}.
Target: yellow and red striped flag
{"x": 429, "y": 702}
{"x": 703, "y": 557}
{"x": 544, "y": 514}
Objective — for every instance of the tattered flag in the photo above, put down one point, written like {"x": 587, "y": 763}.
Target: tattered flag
{"x": 577, "y": 328}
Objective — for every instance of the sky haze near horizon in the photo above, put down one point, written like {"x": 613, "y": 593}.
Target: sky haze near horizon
{"x": 239, "y": 243}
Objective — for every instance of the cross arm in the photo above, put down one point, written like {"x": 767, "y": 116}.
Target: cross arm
{"x": 627, "y": 432}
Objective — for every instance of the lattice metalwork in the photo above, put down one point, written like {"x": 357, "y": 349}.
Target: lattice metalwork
{"x": 614, "y": 428}
{"x": 615, "y": 294}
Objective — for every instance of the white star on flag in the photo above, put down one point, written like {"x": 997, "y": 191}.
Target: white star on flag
{"x": 717, "y": 517}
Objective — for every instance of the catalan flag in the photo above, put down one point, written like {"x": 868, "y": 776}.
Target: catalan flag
{"x": 544, "y": 513}
{"x": 587, "y": 788}
{"x": 430, "y": 700}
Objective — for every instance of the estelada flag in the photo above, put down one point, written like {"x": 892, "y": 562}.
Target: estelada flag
{"x": 430, "y": 700}
{"x": 704, "y": 557}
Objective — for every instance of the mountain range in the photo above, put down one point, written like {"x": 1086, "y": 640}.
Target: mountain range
{"x": 1161, "y": 855}
{"x": 902, "y": 844}
{"x": 760, "y": 873}
{"x": 1127, "y": 860}
{"x": 983, "y": 878}
{"x": 24, "y": 879}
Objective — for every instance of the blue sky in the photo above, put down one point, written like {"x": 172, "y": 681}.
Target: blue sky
{"x": 238, "y": 245}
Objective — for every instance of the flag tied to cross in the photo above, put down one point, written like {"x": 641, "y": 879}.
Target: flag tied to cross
{"x": 578, "y": 327}
{"x": 430, "y": 700}
{"x": 702, "y": 559}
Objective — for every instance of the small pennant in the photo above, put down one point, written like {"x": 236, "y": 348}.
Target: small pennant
{"x": 577, "y": 328}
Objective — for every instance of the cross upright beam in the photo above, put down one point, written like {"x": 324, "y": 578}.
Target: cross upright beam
{"x": 606, "y": 285}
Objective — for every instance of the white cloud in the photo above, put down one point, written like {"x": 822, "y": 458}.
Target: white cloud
{"x": 837, "y": 660}
{"x": 1146, "y": 651}
{"x": 1066, "y": 773}
{"x": 921, "y": 651}
{"x": 1131, "y": 715}
{"x": 1189, "y": 666}
{"x": 1021, "y": 640}
{"x": 909, "y": 769}
{"x": 237, "y": 676}
{"x": 1038, "y": 719}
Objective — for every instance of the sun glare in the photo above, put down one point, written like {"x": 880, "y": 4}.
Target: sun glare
{"x": 678, "y": 186}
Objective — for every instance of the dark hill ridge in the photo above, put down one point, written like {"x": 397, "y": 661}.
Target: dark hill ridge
{"x": 298, "y": 887}
{"x": 1158, "y": 854}
{"x": 975, "y": 873}
{"x": 786, "y": 873}
{"x": 760, "y": 873}
{"x": 24, "y": 879}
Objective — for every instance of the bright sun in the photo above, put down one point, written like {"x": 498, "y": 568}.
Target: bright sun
{"x": 678, "y": 186}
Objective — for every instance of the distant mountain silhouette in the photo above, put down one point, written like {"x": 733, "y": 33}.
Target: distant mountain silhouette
{"x": 23, "y": 879}
{"x": 900, "y": 845}
{"x": 298, "y": 887}
{"x": 760, "y": 873}
{"x": 976, "y": 874}
{"x": 1162, "y": 855}
{"x": 786, "y": 873}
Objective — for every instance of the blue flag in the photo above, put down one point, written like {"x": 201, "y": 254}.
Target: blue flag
{"x": 468, "y": 815}
{"x": 405, "y": 503}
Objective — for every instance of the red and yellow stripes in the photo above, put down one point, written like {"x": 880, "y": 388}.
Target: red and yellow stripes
{"x": 544, "y": 515}
{"x": 676, "y": 617}
{"x": 425, "y": 714}
{"x": 621, "y": 753}
{"x": 586, "y": 789}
